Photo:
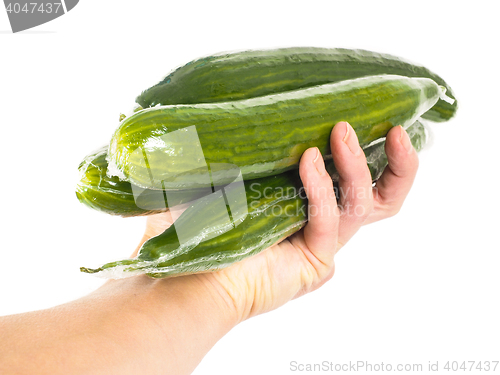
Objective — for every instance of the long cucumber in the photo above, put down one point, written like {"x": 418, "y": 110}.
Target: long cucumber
{"x": 247, "y": 74}
{"x": 169, "y": 147}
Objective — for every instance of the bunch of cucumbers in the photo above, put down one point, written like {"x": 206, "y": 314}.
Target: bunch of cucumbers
{"x": 223, "y": 136}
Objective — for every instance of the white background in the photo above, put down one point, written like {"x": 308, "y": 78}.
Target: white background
{"x": 422, "y": 286}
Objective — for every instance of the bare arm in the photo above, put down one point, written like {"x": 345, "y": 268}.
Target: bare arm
{"x": 129, "y": 326}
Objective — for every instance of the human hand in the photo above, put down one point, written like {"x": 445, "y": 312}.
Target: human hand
{"x": 304, "y": 261}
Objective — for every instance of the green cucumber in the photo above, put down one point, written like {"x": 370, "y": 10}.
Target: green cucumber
{"x": 248, "y": 74}
{"x": 276, "y": 206}
{"x": 166, "y": 250}
{"x": 261, "y": 136}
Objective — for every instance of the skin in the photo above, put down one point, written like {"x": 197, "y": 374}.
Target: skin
{"x": 166, "y": 326}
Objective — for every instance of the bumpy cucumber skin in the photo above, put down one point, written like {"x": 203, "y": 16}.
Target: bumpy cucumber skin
{"x": 108, "y": 194}
{"x": 277, "y": 208}
{"x": 264, "y": 135}
{"x": 247, "y": 74}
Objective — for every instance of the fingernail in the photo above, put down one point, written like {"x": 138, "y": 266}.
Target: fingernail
{"x": 317, "y": 154}
{"x": 319, "y": 163}
{"x": 405, "y": 140}
{"x": 351, "y": 140}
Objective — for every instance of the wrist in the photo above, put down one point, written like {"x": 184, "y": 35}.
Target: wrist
{"x": 196, "y": 298}
{"x": 176, "y": 320}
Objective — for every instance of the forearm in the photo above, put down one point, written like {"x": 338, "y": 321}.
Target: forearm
{"x": 135, "y": 325}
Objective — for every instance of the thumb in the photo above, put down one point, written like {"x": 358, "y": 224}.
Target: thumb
{"x": 321, "y": 232}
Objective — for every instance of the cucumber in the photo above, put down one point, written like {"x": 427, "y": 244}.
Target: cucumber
{"x": 261, "y": 136}
{"x": 276, "y": 208}
{"x": 247, "y": 74}
{"x": 166, "y": 250}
